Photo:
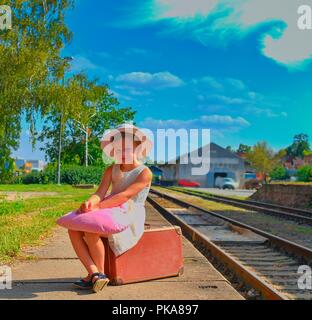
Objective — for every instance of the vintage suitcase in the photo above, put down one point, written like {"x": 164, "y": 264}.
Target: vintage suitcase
{"x": 158, "y": 254}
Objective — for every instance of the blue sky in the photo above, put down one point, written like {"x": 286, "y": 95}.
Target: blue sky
{"x": 241, "y": 68}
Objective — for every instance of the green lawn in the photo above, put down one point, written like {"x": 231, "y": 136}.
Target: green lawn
{"x": 25, "y": 222}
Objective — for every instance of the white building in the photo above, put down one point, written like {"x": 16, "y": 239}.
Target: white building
{"x": 37, "y": 165}
{"x": 223, "y": 163}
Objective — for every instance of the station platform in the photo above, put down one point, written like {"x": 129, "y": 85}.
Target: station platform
{"x": 54, "y": 267}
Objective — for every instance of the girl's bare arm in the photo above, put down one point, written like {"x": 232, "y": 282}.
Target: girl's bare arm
{"x": 99, "y": 195}
{"x": 104, "y": 185}
{"x": 142, "y": 181}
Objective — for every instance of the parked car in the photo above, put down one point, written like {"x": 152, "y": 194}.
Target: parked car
{"x": 226, "y": 183}
{"x": 188, "y": 183}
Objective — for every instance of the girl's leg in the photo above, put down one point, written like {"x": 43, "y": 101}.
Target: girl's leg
{"x": 96, "y": 249}
{"x": 82, "y": 251}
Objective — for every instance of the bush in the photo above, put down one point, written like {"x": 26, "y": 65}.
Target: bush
{"x": 35, "y": 178}
{"x": 279, "y": 173}
{"x": 304, "y": 174}
{"x": 81, "y": 175}
{"x": 69, "y": 175}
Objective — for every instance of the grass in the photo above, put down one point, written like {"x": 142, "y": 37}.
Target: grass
{"x": 206, "y": 193}
{"x": 295, "y": 183}
{"x": 304, "y": 229}
{"x": 198, "y": 192}
{"x": 204, "y": 203}
{"x": 7, "y": 208}
{"x": 27, "y": 222}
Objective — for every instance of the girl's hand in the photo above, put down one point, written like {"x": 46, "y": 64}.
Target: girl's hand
{"x": 85, "y": 207}
{"x": 96, "y": 206}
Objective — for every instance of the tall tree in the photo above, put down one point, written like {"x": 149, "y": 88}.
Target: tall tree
{"x": 92, "y": 108}
{"x": 30, "y": 63}
{"x": 264, "y": 159}
{"x": 243, "y": 148}
{"x": 299, "y": 146}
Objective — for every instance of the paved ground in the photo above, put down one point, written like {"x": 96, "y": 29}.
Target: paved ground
{"x": 229, "y": 193}
{"x": 17, "y": 195}
{"x": 50, "y": 276}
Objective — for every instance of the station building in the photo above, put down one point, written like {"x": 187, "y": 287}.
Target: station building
{"x": 223, "y": 163}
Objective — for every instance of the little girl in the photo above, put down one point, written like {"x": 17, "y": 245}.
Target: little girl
{"x": 130, "y": 182}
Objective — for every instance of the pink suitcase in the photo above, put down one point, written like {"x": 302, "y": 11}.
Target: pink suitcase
{"x": 158, "y": 254}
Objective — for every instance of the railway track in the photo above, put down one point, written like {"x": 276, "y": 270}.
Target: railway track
{"x": 293, "y": 214}
{"x": 266, "y": 263}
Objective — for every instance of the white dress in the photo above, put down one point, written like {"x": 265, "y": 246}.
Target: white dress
{"x": 122, "y": 241}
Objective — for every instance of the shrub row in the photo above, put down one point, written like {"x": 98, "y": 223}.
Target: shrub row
{"x": 69, "y": 175}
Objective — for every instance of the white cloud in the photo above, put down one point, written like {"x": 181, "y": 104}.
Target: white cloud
{"x": 227, "y": 100}
{"x": 210, "y": 81}
{"x": 81, "y": 63}
{"x": 135, "y": 92}
{"x": 269, "y": 113}
{"x": 227, "y": 94}
{"x": 236, "y": 83}
{"x": 228, "y": 84}
{"x": 229, "y": 20}
{"x": 228, "y": 120}
{"x": 152, "y": 80}
{"x": 183, "y": 8}
{"x": 221, "y": 123}
{"x": 119, "y": 95}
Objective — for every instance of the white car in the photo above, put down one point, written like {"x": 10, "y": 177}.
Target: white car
{"x": 226, "y": 183}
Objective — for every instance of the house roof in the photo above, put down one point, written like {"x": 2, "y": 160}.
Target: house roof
{"x": 222, "y": 152}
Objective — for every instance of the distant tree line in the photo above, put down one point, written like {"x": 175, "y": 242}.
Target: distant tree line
{"x": 269, "y": 162}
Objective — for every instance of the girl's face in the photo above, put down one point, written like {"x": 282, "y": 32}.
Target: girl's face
{"x": 125, "y": 150}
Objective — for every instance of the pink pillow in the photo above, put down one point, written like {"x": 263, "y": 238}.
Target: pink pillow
{"x": 103, "y": 221}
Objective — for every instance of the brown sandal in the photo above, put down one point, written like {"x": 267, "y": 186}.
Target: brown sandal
{"x": 100, "y": 282}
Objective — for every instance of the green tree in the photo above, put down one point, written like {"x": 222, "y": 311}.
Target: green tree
{"x": 92, "y": 108}
{"x": 30, "y": 64}
{"x": 243, "y": 148}
{"x": 279, "y": 173}
{"x": 304, "y": 174}
{"x": 264, "y": 159}
{"x": 9, "y": 137}
{"x": 307, "y": 152}
{"x": 299, "y": 146}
